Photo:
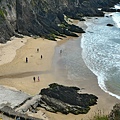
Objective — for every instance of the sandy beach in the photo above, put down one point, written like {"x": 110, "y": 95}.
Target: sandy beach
{"x": 18, "y": 74}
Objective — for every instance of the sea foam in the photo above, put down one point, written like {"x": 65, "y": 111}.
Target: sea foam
{"x": 101, "y": 52}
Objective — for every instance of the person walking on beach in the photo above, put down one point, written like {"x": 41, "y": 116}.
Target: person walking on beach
{"x": 60, "y": 51}
{"x": 38, "y": 78}
{"x": 41, "y": 56}
{"x": 26, "y": 60}
{"x": 34, "y": 79}
{"x": 37, "y": 49}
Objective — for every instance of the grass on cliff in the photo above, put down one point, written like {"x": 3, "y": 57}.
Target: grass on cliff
{"x": 99, "y": 116}
{"x": 2, "y": 13}
{"x": 104, "y": 117}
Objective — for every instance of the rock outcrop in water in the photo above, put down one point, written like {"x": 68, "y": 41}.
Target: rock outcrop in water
{"x": 110, "y": 25}
{"x": 45, "y": 18}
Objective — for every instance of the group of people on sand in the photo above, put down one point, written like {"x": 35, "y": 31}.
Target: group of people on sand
{"x": 38, "y": 79}
{"x": 26, "y": 60}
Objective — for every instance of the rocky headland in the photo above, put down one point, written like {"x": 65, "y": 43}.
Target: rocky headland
{"x": 45, "y": 18}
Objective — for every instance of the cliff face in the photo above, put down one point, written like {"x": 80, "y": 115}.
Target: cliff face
{"x": 7, "y": 19}
{"x": 45, "y": 17}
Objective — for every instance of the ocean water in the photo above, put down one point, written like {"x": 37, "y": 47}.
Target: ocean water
{"x": 101, "y": 51}
{"x": 100, "y": 56}
{"x": 70, "y": 64}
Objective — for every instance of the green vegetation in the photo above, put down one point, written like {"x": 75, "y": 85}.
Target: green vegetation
{"x": 35, "y": 36}
{"x": 62, "y": 25}
{"x": 102, "y": 117}
{"x": 45, "y": 6}
{"x": 2, "y": 13}
{"x": 52, "y": 36}
{"x": 32, "y": 2}
{"x": 99, "y": 116}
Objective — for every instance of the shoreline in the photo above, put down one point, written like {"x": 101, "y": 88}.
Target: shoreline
{"x": 90, "y": 85}
{"x": 102, "y": 24}
{"x": 19, "y": 74}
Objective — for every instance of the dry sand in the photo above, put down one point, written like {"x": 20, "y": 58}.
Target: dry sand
{"x": 19, "y": 74}
{"x": 8, "y": 50}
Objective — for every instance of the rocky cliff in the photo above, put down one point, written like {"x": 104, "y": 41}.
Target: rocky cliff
{"x": 45, "y": 18}
{"x": 115, "y": 113}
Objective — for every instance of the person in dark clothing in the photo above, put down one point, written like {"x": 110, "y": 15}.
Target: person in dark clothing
{"x": 26, "y": 60}
{"x": 34, "y": 79}
{"x": 37, "y": 49}
{"x": 41, "y": 56}
{"x": 60, "y": 51}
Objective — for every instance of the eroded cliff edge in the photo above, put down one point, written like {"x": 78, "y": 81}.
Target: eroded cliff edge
{"x": 45, "y": 18}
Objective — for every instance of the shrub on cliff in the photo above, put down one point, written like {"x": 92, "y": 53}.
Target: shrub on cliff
{"x": 104, "y": 117}
{"x": 115, "y": 113}
{"x": 2, "y": 13}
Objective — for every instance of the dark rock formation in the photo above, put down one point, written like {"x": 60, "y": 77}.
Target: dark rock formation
{"x": 115, "y": 113}
{"x": 59, "y": 98}
{"x": 110, "y": 25}
{"x": 43, "y": 17}
{"x": 110, "y": 10}
{"x": 8, "y": 111}
{"x": 66, "y": 100}
{"x": 5, "y": 30}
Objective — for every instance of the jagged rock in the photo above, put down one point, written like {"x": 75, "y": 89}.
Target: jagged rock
{"x": 74, "y": 28}
{"x": 107, "y": 9}
{"x": 30, "y": 104}
{"x": 115, "y": 113}
{"x": 59, "y": 98}
{"x": 110, "y": 25}
{"x": 8, "y": 111}
{"x": 56, "y": 105}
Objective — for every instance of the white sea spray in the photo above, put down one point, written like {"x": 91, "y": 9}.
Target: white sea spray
{"x": 101, "y": 52}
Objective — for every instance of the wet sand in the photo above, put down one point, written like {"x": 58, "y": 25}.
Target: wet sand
{"x": 86, "y": 80}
